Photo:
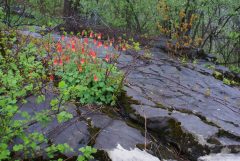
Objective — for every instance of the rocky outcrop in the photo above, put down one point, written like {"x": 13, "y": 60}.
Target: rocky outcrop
{"x": 169, "y": 110}
{"x": 185, "y": 105}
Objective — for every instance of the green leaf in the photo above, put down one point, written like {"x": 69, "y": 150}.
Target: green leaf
{"x": 40, "y": 99}
{"x": 4, "y": 152}
{"x": 18, "y": 147}
{"x": 64, "y": 116}
{"x": 62, "y": 84}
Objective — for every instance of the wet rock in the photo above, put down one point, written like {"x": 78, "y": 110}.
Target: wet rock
{"x": 203, "y": 109}
{"x": 75, "y": 134}
{"x": 218, "y": 157}
{"x": 177, "y": 126}
{"x": 118, "y": 139}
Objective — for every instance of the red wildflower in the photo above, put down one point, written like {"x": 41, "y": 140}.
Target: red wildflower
{"x": 51, "y": 77}
{"x": 82, "y": 61}
{"x": 83, "y": 50}
{"x": 55, "y": 61}
{"x": 91, "y": 35}
{"x": 107, "y": 58}
{"x": 99, "y": 36}
{"x": 67, "y": 58}
{"x": 59, "y": 47}
{"x": 95, "y": 78}
{"x": 95, "y": 41}
{"x": 60, "y": 62}
{"x": 99, "y": 44}
{"x": 92, "y": 54}
{"x": 73, "y": 47}
{"x": 124, "y": 48}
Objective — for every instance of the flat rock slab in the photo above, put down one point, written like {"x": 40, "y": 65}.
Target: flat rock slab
{"x": 159, "y": 118}
{"x": 119, "y": 140}
{"x": 190, "y": 97}
{"x": 113, "y": 136}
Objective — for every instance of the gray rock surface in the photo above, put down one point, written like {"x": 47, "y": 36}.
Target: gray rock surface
{"x": 205, "y": 111}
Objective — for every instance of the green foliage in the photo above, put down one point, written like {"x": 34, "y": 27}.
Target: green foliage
{"x": 217, "y": 74}
{"x": 4, "y": 152}
{"x": 86, "y": 153}
{"x": 22, "y": 73}
{"x": 53, "y": 149}
{"x": 86, "y": 78}
{"x": 64, "y": 116}
{"x": 82, "y": 87}
{"x": 33, "y": 12}
{"x": 137, "y": 16}
{"x": 226, "y": 81}
{"x": 235, "y": 69}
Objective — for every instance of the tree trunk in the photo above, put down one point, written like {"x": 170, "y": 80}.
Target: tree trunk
{"x": 71, "y": 14}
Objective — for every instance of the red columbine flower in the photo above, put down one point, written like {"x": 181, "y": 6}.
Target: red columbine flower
{"x": 99, "y": 36}
{"x": 95, "y": 41}
{"x": 92, "y": 54}
{"x": 95, "y": 78}
{"x": 67, "y": 58}
{"x": 59, "y": 47}
{"x": 82, "y": 61}
{"x": 73, "y": 47}
{"x": 99, "y": 44}
{"x": 55, "y": 61}
{"x": 51, "y": 77}
{"x": 107, "y": 58}
{"x": 60, "y": 62}
{"x": 83, "y": 50}
{"x": 91, "y": 35}
{"x": 124, "y": 48}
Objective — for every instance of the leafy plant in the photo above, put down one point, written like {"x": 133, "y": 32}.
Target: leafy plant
{"x": 87, "y": 153}
{"x": 85, "y": 77}
{"x": 226, "y": 81}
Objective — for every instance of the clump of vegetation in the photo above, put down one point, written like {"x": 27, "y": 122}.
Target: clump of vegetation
{"x": 87, "y": 78}
{"x": 178, "y": 28}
